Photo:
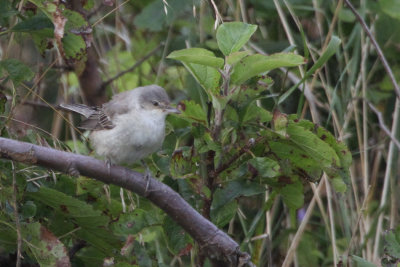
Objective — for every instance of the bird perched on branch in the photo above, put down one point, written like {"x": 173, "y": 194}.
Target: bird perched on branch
{"x": 130, "y": 126}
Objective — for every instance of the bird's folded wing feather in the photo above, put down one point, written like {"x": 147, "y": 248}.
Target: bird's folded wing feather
{"x": 84, "y": 110}
{"x": 119, "y": 104}
{"x": 96, "y": 119}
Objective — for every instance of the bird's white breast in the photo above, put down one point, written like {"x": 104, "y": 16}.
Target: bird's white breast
{"x": 133, "y": 137}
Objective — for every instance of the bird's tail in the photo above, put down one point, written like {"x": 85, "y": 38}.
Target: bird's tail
{"x": 84, "y": 110}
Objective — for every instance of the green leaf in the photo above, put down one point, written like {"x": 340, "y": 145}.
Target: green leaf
{"x": 233, "y": 58}
{"x": 338, "y": 172}
{"x": 347, "y": 15}
{"x": 134, "y": 222}
{"x": 338, "y": 184}
{"x": 345, "y": 158}
{"x": 360, "y": 262}
{"x": 183, "y": 162}
{"x": 231, "y": 36}
{"x": 43, "y": 39}
{"x": 254, "y": 65}
{"x": 313, "y": 146}
{"x": 93, "y": 225}
{"x": 297, "y": 159}
{"x": 219, "y": 102}
{"x": 309, "y": 149}
{"x": 280, "y": 122}
{"x": 41, "y": 28}
{"x": 100, "y": 238}
{"x": 29, "y": 209}
{"x": 74, "y": 47}
{"x": 255, "y": 112}
{"x": 91, "y": 256}
{"x": 224, "y": 215}
{"x": 8, "y": 237}
{"x": 233, "y": 190}
{"x": 391, "y": 8}
{"x": 75, "y": 20}
{"x": 44, "y": 245}
{"x": 193, "y": 112}
{"x": 17, "y": 71}
{"x": 266, "y": 167}
{"x": 35, "y": 23}
{"x": 46, "y": 7}
{"x": 308, "y": 251}
{"x": 198, "y": 56}
{"x": 392, "y": 243}
{"x": 7, "y": 11}
{"x": 69, "y": 206}
{"x": 153, "y": 16}
{"x": 292, "y": 195}
{"x": 177, "y": 238}
{"x": 340, "y": 148}
{"x": 208, "y": 77}
{"x": 206, "y": 144}
{"x": 331, "y": 49}
{"x": 75, "y": 51}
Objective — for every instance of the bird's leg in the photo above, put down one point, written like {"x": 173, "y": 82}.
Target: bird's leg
{"x": 108, "y": 163}
{"x": 147, "y": 176}
{"x": 72, "y": 169}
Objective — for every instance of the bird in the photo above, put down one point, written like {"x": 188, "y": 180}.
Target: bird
{"x": 129, "y": 127}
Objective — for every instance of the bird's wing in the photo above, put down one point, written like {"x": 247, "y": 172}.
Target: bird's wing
{"x": 96, "y": 118}
{"x": 119, "y": 104}
{"x": 97, "y": 121}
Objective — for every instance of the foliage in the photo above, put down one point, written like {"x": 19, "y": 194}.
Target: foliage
{"x": 255, "y": 143}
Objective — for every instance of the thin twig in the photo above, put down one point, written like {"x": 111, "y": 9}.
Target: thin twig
{"x": 386, "y": 180}
{"x": 364, "y": 145}
{"x": 36, "y": 104}
{"x": 137, "y": 64}
{"x": 383, "y": 126}
{"x": 109, "y": 13}
{"x": 356, "y": 227}
{"x": 377, "y": 47}
{"x": 218, "y": 17}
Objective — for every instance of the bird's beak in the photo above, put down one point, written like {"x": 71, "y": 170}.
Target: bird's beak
{"x": 170, "y": 109}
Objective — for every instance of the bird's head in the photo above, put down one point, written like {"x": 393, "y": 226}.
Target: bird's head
{"x": 154, "y": 98}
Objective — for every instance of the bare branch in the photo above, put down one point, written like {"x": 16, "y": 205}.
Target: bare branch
{"x": 215, "y": 243}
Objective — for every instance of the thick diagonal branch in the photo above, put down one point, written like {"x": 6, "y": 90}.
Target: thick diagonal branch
{"x": 214, "y": 242}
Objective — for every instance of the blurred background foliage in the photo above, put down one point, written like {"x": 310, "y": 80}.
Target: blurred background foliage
{"x": 92, "y": 224}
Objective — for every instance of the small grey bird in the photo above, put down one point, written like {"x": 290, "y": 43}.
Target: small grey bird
{"x": 130, "y": 126}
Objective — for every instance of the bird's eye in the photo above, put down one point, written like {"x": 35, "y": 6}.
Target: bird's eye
{"x": 155, "y": 103}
